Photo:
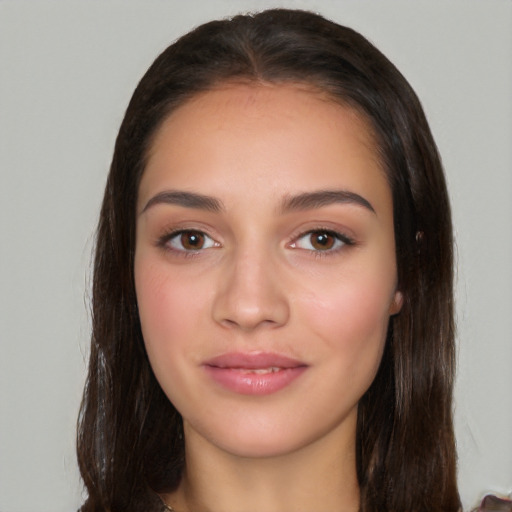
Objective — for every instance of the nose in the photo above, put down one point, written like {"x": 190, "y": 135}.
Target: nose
{"x": 250, "y": 294}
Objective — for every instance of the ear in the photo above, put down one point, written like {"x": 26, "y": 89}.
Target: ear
{"x": 396, "y": 303}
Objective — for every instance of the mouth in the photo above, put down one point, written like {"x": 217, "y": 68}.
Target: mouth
{"x": 259, "y": 371}
{"x": 254, "y": 373}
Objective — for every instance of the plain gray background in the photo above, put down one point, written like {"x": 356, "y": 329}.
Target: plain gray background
{"x": 67, "y": 70}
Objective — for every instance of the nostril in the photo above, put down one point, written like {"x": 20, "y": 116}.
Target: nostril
{"x": 270, "y": 313}
{"x": 248, "y": 296}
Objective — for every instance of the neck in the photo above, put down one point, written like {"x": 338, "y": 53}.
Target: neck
{"x": 319, "y": 476}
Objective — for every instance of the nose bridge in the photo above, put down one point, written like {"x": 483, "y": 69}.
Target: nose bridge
{"x": 250, "y": 293}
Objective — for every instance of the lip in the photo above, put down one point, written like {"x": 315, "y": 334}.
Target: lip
{"x": 254, "y": 373}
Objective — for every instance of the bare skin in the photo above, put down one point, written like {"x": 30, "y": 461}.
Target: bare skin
{"x": 265, "y": 233}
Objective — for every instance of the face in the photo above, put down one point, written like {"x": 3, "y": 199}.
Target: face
{"x": 265, "y": 267}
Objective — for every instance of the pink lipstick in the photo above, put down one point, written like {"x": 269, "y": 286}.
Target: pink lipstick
{"x": 254, "y": 374}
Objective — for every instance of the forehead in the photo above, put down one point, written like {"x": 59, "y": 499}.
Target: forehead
{"x": 286, "y": 137}
{"x": 268, "y": 102}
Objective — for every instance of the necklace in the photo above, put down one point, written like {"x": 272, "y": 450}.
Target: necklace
{"x": 168, "y": 507}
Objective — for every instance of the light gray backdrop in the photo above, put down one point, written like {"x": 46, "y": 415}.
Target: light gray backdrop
{"x": 67, "y": 70}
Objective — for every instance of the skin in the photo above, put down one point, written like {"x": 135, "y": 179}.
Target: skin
{"x": 260, "y": 281}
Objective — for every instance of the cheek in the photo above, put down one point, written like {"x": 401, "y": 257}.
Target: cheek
{"x": 168, "y": 311}
{"x": 351, "y": 318}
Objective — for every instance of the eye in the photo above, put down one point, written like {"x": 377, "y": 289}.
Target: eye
{"x": 190, "y": 240}
{"x": 321, "y": 240}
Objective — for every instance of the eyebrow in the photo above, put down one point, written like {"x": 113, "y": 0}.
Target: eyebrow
{"x": 318, "y": 199}
{"x": 305, "y": 201}
{"x": 185, "y": 199}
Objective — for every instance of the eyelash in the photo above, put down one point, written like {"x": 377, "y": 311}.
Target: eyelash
{"x": 164, "y": 242}
{"x": 342, "y": 238}
{"x": 345, "y": 240}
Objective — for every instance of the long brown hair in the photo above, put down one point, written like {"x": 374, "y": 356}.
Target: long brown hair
{"x": 130, "y": 443}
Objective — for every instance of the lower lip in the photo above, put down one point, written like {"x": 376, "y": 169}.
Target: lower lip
{"x": 246, "y": 383}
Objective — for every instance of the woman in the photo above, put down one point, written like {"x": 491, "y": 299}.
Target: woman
{"x": 272, "y": 299}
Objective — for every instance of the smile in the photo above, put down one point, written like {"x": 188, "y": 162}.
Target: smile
{"x": 253, "y": 374}
{"x": 259, "y": 371}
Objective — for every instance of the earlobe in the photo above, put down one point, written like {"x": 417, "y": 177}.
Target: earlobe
{"x": 396, "y": 303}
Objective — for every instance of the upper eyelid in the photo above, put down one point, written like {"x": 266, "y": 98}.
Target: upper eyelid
{"x": 164, "y": 239}
{"x": 173, "y": 230}
{"x": 335, "y": 232}
{"x": 342, "y": 234}
{"x": 340, "y": 238}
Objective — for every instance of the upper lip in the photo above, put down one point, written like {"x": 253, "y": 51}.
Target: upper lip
{"x": 253, "y": 361}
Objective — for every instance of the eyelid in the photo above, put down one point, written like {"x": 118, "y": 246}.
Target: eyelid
{"x": 164, "y": 240}
{"x": 341, "y": 238}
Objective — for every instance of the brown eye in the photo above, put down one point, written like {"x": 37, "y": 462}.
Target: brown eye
{"x": 322, "y": 240}
{"x": 190, "y": 240}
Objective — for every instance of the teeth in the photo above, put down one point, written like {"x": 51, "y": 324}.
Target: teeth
{"x": 260, "y": 371}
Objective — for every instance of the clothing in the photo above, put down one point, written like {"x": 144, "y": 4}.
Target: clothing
{"x": 492, "y": 503}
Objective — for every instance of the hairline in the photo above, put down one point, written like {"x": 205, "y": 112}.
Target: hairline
{"x": 314, "y": 87}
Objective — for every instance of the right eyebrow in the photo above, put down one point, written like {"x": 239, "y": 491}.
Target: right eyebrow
{"x": 186, "y": 200}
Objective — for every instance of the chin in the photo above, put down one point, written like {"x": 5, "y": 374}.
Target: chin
{"x": 264, "y": 437}
{"x": 260, "y": 447}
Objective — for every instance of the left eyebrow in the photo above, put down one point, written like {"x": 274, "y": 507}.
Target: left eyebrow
{"x": 318, "y": 199}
